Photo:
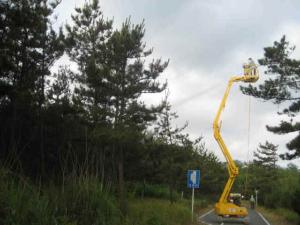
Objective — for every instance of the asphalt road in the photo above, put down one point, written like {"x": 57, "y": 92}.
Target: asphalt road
{"x": 255, "y": 218}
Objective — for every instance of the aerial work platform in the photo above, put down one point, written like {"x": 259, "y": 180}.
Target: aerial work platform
{"x": 226, "y": 206}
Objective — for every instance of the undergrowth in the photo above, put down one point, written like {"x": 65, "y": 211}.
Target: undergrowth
{"x": 81, "y": 201}
{"x": 84, "y": 201}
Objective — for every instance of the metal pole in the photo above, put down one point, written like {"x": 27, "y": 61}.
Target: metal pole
{"x": 193, "y": 204}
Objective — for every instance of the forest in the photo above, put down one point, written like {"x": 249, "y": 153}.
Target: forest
{"x": 80, "y": 146}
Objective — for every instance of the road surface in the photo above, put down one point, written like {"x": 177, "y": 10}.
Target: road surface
{"x": 255, "y": 218}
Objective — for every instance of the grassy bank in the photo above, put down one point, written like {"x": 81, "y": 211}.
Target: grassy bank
{"x": 158, "y": 212}
{"x": 82, "y": 201}
{"x": 280, "y": 216}
{"x": 153, "y": 211}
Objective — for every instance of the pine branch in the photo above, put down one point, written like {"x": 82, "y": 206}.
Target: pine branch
{"x": 284, "y": 128}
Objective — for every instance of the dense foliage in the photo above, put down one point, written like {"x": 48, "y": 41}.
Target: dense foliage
{"x": 90, "y": 121}
{"x": 277, "y": 187}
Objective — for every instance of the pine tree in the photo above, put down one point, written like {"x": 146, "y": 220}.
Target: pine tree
{"x": 86, "y": 45}
{"x": 263, "y": 172}
{"x": 172, "y": 140}
{"x": 282, "y": 86}
{"x": 112, "y": 77}
{"x": 29, "y": 47}
{"x": 86, "y": 42}
{"x": 266, "y": 155}
{"x": 128, "y": 80}
{"x": 164, "y": 129}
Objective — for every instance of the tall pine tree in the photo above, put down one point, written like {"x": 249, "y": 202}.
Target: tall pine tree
{"x": 173, "y": 140}
{"x": 86, "y": 42}
{"x": 129, "y": 78}
{"x": 29, "y": 47}
{"x": 86, "y": 45}
{"x": 112, "y": 77}
{"x": 283, "y": 85}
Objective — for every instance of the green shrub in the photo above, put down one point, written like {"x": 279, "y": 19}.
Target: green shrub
{"x": 289, "y": 215}
{"x": 152, "y": 191}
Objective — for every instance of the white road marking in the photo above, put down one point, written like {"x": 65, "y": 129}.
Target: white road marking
{"x": 205, "y": 214}
{"x": 205, "y": 223}
{"x": 264, "y": 219}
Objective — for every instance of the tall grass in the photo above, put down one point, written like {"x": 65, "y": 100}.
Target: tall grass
{"x": 82, "y": 201}
{"x": 158, "y": 212}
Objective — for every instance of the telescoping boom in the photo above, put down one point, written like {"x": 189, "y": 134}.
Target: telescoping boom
{"x": 224, "y": 207}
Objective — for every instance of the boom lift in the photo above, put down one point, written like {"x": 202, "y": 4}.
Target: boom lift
{"x": 224, "y": 207}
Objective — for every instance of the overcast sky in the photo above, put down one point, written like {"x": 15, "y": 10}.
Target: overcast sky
{"x": 207, "y": 41}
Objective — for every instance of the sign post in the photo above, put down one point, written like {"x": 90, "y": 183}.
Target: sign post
{"x": 193, "y": 191}
{"x": 193, "y": 181}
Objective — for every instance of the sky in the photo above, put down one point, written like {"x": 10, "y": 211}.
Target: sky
{"x": 207, "y": 42}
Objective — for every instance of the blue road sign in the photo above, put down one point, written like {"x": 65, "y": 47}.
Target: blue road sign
{"x": 193, "y": 178}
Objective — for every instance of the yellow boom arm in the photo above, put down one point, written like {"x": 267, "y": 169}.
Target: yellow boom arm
{"x": 250, "y": 75}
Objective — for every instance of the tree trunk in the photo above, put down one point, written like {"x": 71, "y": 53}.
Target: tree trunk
{"x": 12, "y": 143}
{"x": 122, "y": 196}
{"x": 42, "y": 151}
{"x": 171, "y": 192}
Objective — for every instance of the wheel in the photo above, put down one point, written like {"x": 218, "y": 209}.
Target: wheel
{"x": 220, "y": 219}
{"x": 246, "y": 220}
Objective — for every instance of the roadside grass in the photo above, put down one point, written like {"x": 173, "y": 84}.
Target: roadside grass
{"x": 153, "y": 211}
{"x": 280, "y": 216}
{"x": 83, "y": 201}
{"x": 158, "y": 212}
{"x": 80, "y": 202}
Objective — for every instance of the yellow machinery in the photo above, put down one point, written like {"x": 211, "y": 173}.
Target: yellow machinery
{"x": 224, "y": 207}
